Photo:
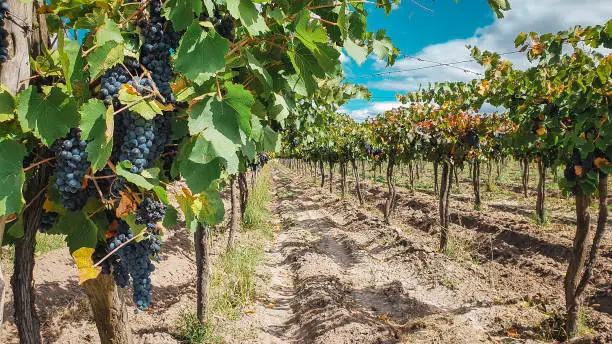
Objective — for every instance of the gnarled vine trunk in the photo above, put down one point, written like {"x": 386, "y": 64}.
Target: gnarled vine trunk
{"x": 476, "y": 183}
{"x": 322, "y": 169}
{"x": 331, "y": 175}
{"x": 22, "y": 283}
{"x": 541, "y": 190}
{"x": 411, "y": 171}
{"x": 391, "y": 188}
{"x": 525, "y": 179}
{"x": 580, "y": 267}
{"x": 435, "y": 169}
{"x": 233, "y": 221}
{"x": 343, "y": 178}
{"x": 109, "y": 311}
{"x": 445, "y": 189}
{"x": 203, "y": 270}
{"x": 244, "y": 194}
{"x": 27, "y": 35}
{"x": 357, "y": 182}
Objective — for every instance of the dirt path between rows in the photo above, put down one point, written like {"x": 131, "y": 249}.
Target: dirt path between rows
{"x": 339, "y": 275}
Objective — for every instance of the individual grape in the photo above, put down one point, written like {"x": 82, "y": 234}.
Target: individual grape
{"x": 4, "y": 44}
{"x": 70, "y": 169}
{"x": 47, "y": 221}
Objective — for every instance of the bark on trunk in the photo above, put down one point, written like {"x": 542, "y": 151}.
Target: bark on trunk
{"x": 233, "y": 223}
{"x": 109, "y": 311}
{"x": 410, "y": 167}
{"x": 22, "y": 283}
{"x": 331, "y": 176}
{"x": 476, "y": 183}
{"x": 343, "y": 178}
{"x": 416, "y": 169}
{"x": 525, "y": 176}
{"x": 357, "y": 182}
{"x": 244, "y": 194}
{"x": 391, "y": 193}
{"x": 322, "y": 169}
{"x": 203, "y": 270}
{"x": 445, "y": 188}
{"x": 580, "y": 268}
{"x": 435, "y": 168}
{"x": 363, "y": 173}
{"x": 541, "y": 190}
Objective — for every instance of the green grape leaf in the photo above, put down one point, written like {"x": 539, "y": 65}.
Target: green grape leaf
{"x": 108, "y": 32}
{"x": 210, "y": 145}
{"x": 359, "y": 54}
{"x": 171, "y": 218}
{"x": 7, "y": 104}
{"x": 97, "y": 123}
{"x": 11, "y": 176}
{"x": 246, "y": 11}
{"x": 200, "y": 54}
{"x": 140, "y": 179}
{"x": 279, "y": 110}
{"x": 80, "y": 230}
{"x": 104, "y": 57}
{"x": 136, "y": 228}
{"x": 272, "y": 140}
{"x": 48, "y": 118}
{"x": 230, "y": 116}
{"x": 182, "y": 12}
{"x": 13, "y": 232}
{"x": 260, "y": 71}
{"x": 212, "y": 210}
{"x": 382, "y": 47}
{"x": 198, "y": 177}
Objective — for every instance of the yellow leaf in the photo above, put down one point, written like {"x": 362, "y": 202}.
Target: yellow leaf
{"x": 541, "y": 131}
{"x": 384, "y": 317}
{"x": 512, "y": 333}
{"x": 541, "y": 116}
{"x": 599, "y": 162}
{"x": 48, "y": 206}
{"x": 82, "y": 258}
{"x": 249, "y": 312}
{"x": 578, "y": 170}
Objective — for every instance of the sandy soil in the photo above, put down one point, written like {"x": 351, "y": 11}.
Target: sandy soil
{"x": 335, "y": 273}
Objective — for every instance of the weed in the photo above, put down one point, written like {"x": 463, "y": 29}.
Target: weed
{"x": 192, "y": 331}
{"x": 449, "y": 284}
{"x": 49, "y": 242}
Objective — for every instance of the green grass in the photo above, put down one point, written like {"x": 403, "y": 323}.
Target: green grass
{"x": 191, "y": 331}
{"x": 234, "y": 279}
{"x": 49, "y": 242}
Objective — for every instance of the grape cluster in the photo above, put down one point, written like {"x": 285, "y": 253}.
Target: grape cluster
{"x": 132, "y": 260}
{"x": 3, "y": 33}
{"x": 473, "y": 139}
{"x": 223, "y": 24}
{"x": 114, "y": 78}
{"x": 47, "y": 221}
{"x": 159, "y": 38}
{"x": 137, "y": 144}
{"x": 71, "y": 166}
{"x": 149, "y": 212}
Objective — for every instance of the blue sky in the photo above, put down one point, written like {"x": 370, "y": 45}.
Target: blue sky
{"x": 441, "y": 34}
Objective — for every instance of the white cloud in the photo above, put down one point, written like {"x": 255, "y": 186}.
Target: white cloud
{"x": 371, "y": 110}
{"x": 540, "y": 16}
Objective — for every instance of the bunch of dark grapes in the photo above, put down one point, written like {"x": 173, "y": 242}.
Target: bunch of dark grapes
{"x": 263, "y": 157}
{"x": 136, "y": 145}
{"x": 71, "y": 166}
{"x": 47, "y": 221}
{"x": 223, "y": 24}
{"x": 114, "y": 78}
{"x": 473, "y": 139}
{"x": 132, "y": 260}
{"x": 149, "y": 212}
{"x": 155, "y": 52}
{"x": 3, "y": 33}
{"x": 368, "y": 149}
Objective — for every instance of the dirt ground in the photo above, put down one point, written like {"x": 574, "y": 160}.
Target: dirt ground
{"x": 335, "y": 273}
